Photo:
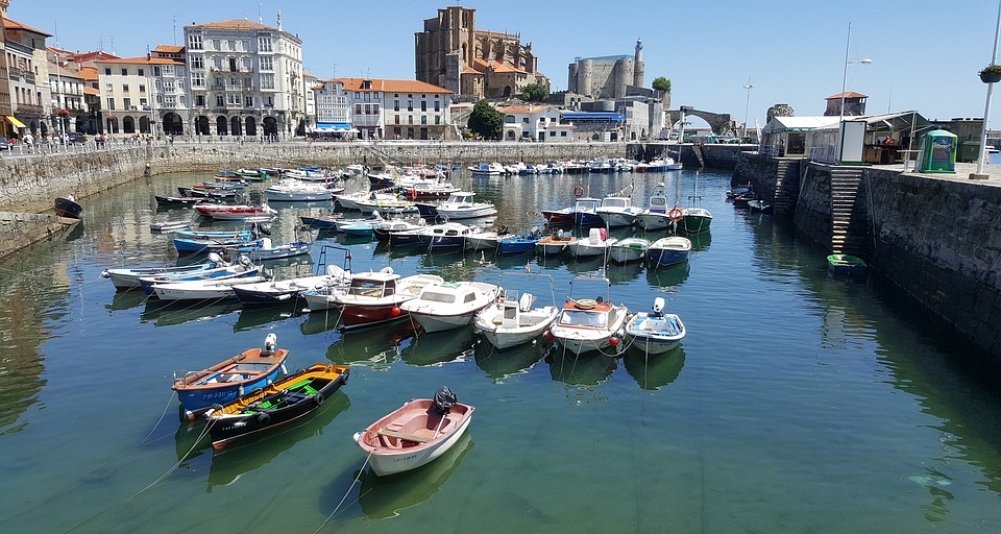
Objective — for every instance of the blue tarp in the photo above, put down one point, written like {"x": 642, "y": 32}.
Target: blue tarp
{"x": 332, "y": 126}
{"x": 604, "y": 116}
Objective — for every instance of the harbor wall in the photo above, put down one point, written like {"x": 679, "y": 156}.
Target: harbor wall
{"x": 938, "y": 240}
{"x": 20, "y": 230}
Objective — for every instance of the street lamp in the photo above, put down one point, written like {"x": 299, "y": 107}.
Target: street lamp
{"x": 844, "y": 88}
{"x": 747, "y": 106}
{"x": 987, "y": 107}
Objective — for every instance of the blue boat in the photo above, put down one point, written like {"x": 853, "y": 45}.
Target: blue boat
{"x": 194, "y": 246}
{"x": 228, "y": 380}
{"x": 518, "y": 244}
{"x": 214, "y": 234}
{"x": 585, "y": 212}
{"x": 242, "y": 269}
{"x": 668, "y": 251}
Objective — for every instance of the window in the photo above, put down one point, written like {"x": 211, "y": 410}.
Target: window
{"x": 436, "y": 106}
{"x": 200, "y": 100}
{"x": 170, "y": 101}
{"x": 424, "y": 106}
{"x": 216, "y": 44}
{"x": 410, "y": 105}
{"x": 248, "y": 101}
{"x": 396, "y": 105}
{"x": 126, "y": 103}
{"x": 125, "y": 72}
{"x": 264, "y": 43}
{"x": 197, "y": 62}
{"x": 233, "y": 99}
{"x": 195, "y": 41}
{"x": 168, "y": 70}
{"x": 143, "y": 103}
{"x": 107, "y": 71}
{"x": 142, "y": 88}
{"x": 111, "y": 104}
{"x": 267, "y": 81}
{"x": 397, "y": 121}
{"x": 437, "y": 119}
{"x": 265, "y": 63}
{"x": 169, "y": 86}
{"x": 220, "y": 101}
{"x": 141, "y": 72}
{"x": 157, "y": 72}
{"x": 109, "y": 88}
{"x": 197, "y": 79}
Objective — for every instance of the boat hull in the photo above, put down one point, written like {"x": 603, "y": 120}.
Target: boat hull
{"x": 67, "y": 207}
{"x": 654, "y": 335}
{"x": 227, "y": 381}
{"x": 282, "y": 402}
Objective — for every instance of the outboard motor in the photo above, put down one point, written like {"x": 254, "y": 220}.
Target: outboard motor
{"x": 658, "y": 307}
{"x": 214, "y": 258}
{"x": 444, "y": 399}
{"x": 270, "y": 343}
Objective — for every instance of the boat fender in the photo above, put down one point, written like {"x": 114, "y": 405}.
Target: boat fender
{"x": 578, "y": 191}
{"x": 105, "y": 274}
{"x": 318, "y": 399}
{"x": 675, "y": 214}
{"x": 263, "y": 418}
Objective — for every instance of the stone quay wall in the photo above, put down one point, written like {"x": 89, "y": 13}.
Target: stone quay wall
{"x": 935, "y": 237}
{"x": 938, "y": 239}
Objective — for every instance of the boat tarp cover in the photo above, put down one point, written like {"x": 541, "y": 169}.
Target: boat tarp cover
{"x": 444, "y": 399}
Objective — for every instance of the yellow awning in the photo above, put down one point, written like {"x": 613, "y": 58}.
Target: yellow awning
{"x": 15, "y": 122}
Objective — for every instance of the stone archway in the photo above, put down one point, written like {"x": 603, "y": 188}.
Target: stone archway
{"x": 270, "y": 125}
{"x": 236, "y": 126}
{"x": 221, "y": 126}
{"x": 172, "y": 124}
{"x": 251, "y": 128}
{"x": 128, "y": 124}
{"x": 202, "y": 125}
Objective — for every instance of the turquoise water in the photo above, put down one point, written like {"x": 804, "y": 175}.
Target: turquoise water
{"x": 797, "y": 403}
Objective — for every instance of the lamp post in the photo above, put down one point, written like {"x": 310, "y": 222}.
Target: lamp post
{"x": 747, "y": 105}
{"x": 987, "y": 107}
{"x": 844, "y": 88}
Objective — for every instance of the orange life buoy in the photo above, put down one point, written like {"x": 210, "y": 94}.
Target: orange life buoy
{"x": 675, "y": 214}
{"x": 578, "y": 192}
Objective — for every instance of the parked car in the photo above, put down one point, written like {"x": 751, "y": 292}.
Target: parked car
{"x": 5, "y": 144}
{"x": 77, "y": 137}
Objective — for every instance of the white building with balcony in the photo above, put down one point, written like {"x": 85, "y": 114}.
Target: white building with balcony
{"x": 28, "y": 78}
{"x": 398, "y": 109}
{"x": 129, "y": 92}
{"x": 535, "y": 122}
{"x": 245, "y": 80}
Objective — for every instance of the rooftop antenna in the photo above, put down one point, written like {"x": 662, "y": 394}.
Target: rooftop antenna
{"x": 175, "y": 29}
{"x": 260, "y": 19}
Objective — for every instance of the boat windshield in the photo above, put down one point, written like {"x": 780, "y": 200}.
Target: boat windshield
{"x": 584, "y": 318}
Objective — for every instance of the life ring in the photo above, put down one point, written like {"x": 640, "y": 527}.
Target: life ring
{"x": 578, "y": 192}
{"x": 675, "y": 214}
{"x": 586, "y": 304}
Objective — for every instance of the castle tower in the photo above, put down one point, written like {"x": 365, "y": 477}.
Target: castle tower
{"x": 4, "y": 4}
{"x": 639, "y": 71}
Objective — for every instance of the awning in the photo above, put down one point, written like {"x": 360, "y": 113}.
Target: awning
{"x": 15, "y": 122}
{"x": 332, "y": 127}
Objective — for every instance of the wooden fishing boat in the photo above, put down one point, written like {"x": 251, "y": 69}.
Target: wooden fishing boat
{"x": 236, "y": 212}
{"x": 655, "y": 332}
{"x": 229, "y": 379}
{"x": 846, "y": 264}
{"x": 280, "y": 403}
{"x": 415, "y": 434}
{"x": 554, "y": 244}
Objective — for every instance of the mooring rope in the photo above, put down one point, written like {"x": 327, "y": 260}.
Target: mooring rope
{"x": 346, "y": 493}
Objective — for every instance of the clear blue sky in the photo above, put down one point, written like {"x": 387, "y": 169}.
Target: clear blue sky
{"x": 925, "y": 53}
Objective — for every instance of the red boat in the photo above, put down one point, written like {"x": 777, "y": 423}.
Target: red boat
{"x": 236, "y": 212}
{"x": 560, "y": 216}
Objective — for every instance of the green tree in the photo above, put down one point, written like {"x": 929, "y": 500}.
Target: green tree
{"x": 486, "y": 121}
{"x": 662, "y": 84}
{"x": 535, "y": 92}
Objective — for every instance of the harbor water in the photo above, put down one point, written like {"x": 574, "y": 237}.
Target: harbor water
{"x": 798, "y": 402}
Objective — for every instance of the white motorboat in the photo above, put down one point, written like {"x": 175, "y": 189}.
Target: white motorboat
{"x": 596, "y": 243}
{"x": 655, "y": 332}
{"x": 587, "y": 324}
{"x": 202, "y": 289}
{"x": 450, "y": 305}
{"x": 279, "y": 291}
{"x": 460, "y": 205}
{"x": 294, "y": 189}
{"x": 658, "y": 214}
{"x": 375, "y": 297}
{"x": 128, "y": 277}
{"x": 618, "y": 211}
{"x": 512, "y": 319}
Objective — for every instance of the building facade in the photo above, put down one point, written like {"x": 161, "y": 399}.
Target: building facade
{"x": 396, "y": 109}
{"x": 533, "y": 122}
{"x": 27, "y": 78}
{"x": 245, "y": 79}
{"x": 137, "y": 92}
{"x": 66, "y": 88}
{"x": 608, "y": 76}
{"x": 451, "y": 53}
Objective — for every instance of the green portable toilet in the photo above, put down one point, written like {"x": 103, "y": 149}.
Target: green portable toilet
{"x": 938, "y": 152}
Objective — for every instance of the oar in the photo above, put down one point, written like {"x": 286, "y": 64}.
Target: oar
{"x": 440, "y": 422}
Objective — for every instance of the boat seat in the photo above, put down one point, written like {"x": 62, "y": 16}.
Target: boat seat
{"x": 404, "y": 436}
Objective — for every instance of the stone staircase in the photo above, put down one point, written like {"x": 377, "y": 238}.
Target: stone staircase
{"x": 850, "y": 230}
{"x": 786, "y": 186}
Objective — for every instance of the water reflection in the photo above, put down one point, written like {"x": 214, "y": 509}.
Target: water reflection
{"x": 162, "y": 313}
{"x": 669, "y": 276}
{"x": 439, "y": 347}
{"x": 588, "y": 369}
{"x": 258, "y": 316}
{"x": 124, "y": 300}
{"x": 654, "y": 372}
{"x": 499, "y": 365}
{"x": 623, "y": 273}
{"x": 376, "y": 347}
{"x": 230, "y": 464}
{"x": 382, "y": 497}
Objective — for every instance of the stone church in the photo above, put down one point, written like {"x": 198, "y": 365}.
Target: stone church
{"x": 453, "y": 54}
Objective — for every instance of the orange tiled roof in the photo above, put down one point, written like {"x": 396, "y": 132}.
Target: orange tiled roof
{"x": 391, "y": 86}
{"x": 497, "y": 66}
{"x": 236, "y": 25}
{"x": 97, "y": 54}
{"x": 88, "y": 73}
{"x": 143, "y": 60}
{"x": 90, "y": 91}
{"x": 169, "y": 49}
{"x": 523, "y": 109}
{"x": 9, "y": 24}
{"x": 849, "y": 94}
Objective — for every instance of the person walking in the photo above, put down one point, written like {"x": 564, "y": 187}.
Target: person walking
{"x": 29, "y": 141}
